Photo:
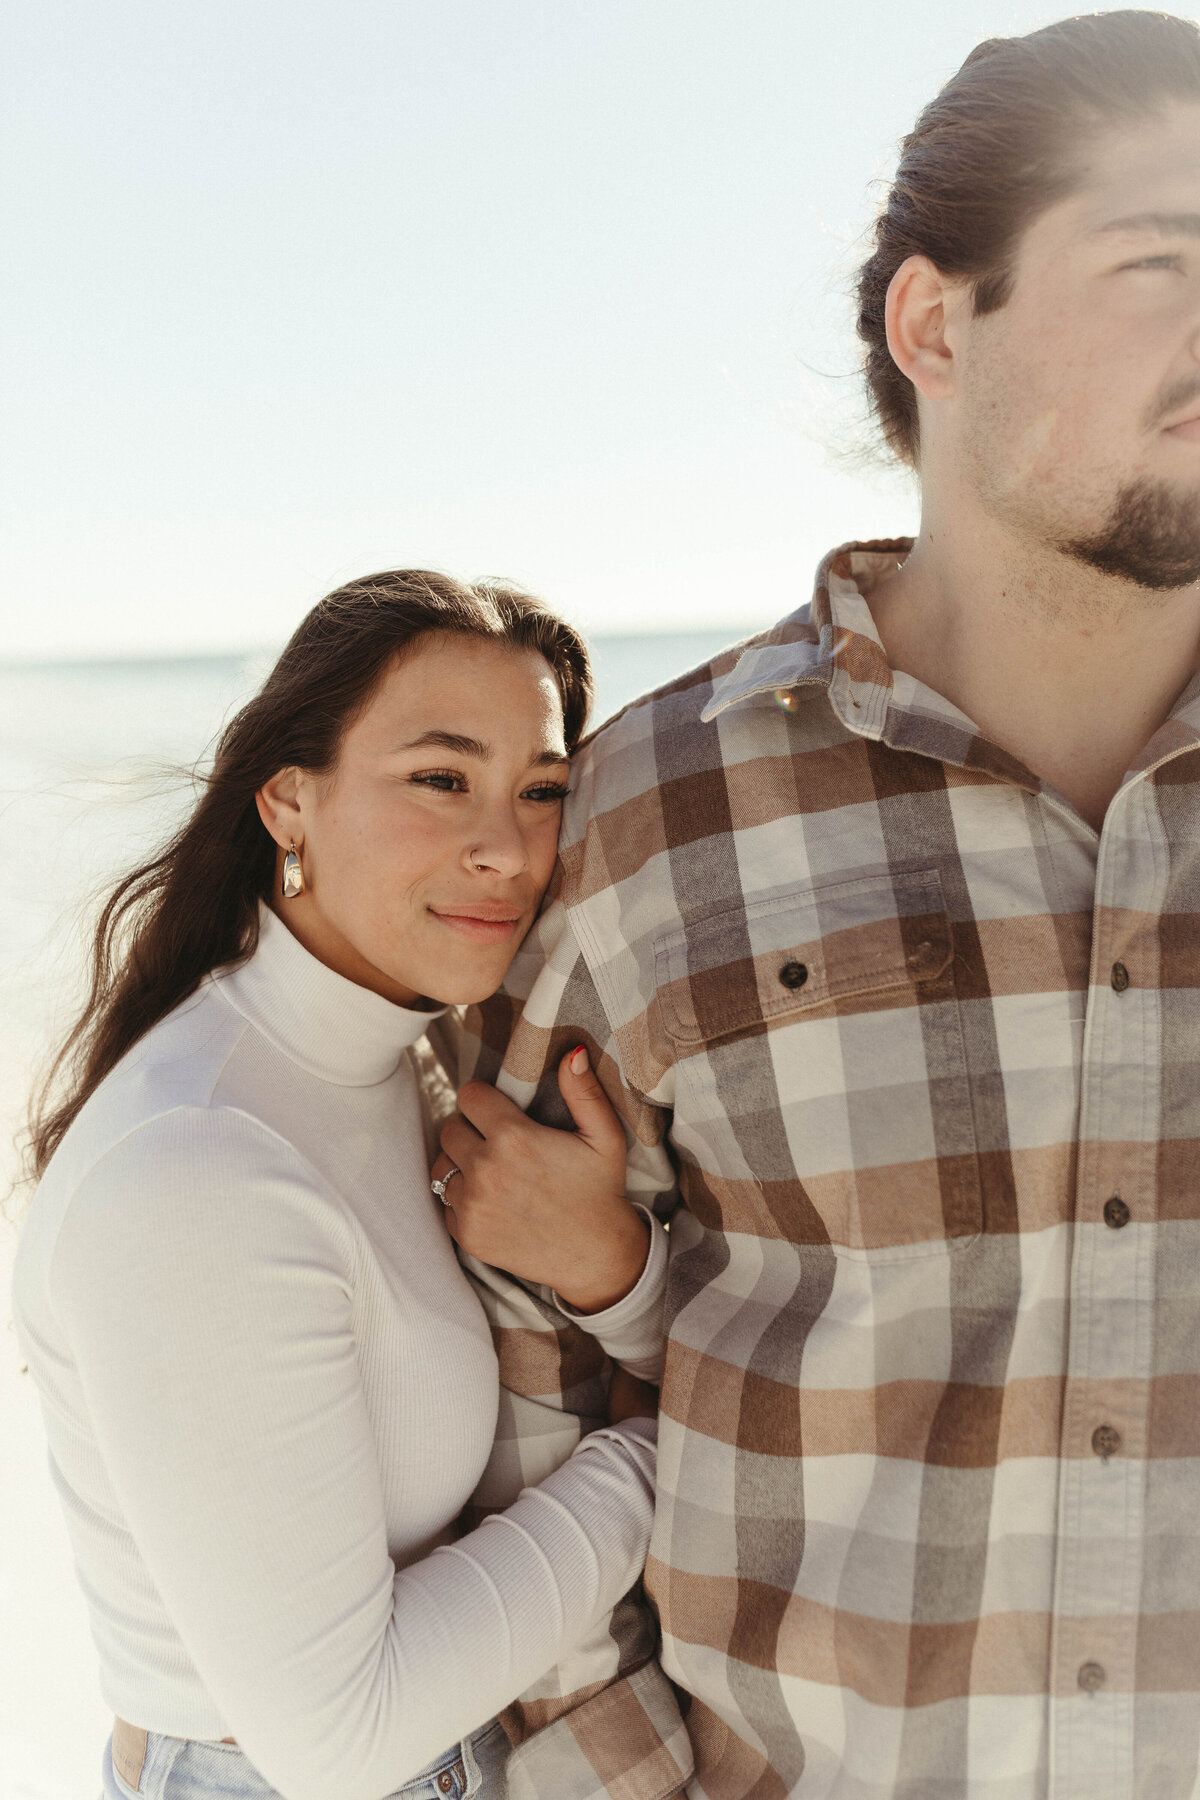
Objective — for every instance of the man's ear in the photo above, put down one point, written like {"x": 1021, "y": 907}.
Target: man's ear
{"x": 920, "y": 304}
{"x": 279, "y": 808}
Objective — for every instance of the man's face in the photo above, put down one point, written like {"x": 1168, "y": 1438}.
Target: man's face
{"x": 1079, "y": 400}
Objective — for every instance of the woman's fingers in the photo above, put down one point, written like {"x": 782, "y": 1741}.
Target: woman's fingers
{"x": 492, "y": 1114}
{"x": 487, "y": 1108}
{"x": 460, "y": 1140}
{"x": 549, "y": 1206}
{"x": 442, "y": 1165}
{"x": 589, "y": 1106}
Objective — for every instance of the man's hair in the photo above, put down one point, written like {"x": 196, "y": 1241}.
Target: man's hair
{"x": 1003, "y": 140}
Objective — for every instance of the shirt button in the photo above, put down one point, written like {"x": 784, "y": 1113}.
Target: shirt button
{"x": 1106, "y": 1441}
{"x": 1091, "y": 1676}
{"x": 793, "y": 974}
{"x": 1120, "y": 977}
{"x": 1116, "y": 1213}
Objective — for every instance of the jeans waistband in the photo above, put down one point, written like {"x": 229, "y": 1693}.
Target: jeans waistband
{"x": 129, "y": 1750}
{"x": 133, "y": 1748}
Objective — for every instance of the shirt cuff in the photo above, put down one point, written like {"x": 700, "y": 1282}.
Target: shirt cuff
{"x": 643, "y": 1429}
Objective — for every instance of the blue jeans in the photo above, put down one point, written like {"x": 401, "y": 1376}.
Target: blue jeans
{"x": 189, "y": 1769}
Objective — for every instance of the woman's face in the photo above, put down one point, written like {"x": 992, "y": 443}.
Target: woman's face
{"x": 426, "y": 852}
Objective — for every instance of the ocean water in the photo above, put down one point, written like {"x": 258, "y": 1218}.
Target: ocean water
{"x": 93, "y": 771}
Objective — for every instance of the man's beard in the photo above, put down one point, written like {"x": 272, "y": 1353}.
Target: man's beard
{"x": 1152, "y": 537}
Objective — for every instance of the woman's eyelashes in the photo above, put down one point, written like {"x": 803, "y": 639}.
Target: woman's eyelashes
{"x": 453, "y": 781}
{"x": 443, "y": 781}
{"x": 547, "y": 791}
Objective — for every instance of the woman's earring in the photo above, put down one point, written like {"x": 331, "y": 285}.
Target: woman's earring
{"x": 293, "y": 874}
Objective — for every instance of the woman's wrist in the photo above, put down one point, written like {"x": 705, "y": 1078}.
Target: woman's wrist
{"x": 615, "y": 1267}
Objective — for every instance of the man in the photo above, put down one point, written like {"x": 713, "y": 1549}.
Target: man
{"x": 883, "y": 933}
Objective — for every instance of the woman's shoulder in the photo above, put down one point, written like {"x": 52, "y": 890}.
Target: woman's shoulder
{"x": 189, "y": 1190}
{"x": 163, "y": 1139}
{"x": 174, "y": 1068}
{"x": 180, "y": 1202}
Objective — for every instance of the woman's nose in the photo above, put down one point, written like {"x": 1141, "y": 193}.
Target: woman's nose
{"x": 500, "y": 848}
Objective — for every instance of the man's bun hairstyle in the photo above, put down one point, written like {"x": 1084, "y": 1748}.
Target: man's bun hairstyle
{"x": 1003, "y": 140}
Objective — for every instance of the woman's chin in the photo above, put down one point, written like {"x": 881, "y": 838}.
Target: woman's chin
{"x": 463, "y": 986}
{"x": 462, "y": 993}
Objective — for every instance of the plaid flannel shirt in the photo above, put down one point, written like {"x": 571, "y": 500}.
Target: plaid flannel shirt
{"x": 919, "y": 1050}
{"x": 604, "y": 1720}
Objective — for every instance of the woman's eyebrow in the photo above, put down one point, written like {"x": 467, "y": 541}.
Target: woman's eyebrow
{"x": 450, "y": 740}
{"x": 469, "y": 746}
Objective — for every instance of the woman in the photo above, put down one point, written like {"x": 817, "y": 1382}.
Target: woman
{"x": 268, "y": 1387}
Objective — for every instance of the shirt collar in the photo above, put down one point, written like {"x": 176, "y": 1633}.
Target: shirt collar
{"x": 1180, "y": 732}
{"x": 831, "y": 642}
{"x": 328, "y": 1025}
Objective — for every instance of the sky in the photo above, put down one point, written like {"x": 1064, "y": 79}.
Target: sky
{"x": 556, "y": 290}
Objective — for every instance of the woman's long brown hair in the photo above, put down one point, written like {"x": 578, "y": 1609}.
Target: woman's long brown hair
{"x": 193, "y": 907}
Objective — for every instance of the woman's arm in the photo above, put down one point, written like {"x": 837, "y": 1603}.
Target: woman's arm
{"x": 204, "y": 1275}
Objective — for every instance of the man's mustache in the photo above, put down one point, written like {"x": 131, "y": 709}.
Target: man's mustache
{"x": 1173, "y": 399}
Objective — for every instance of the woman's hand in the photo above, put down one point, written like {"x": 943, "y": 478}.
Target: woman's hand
{"x": 548, "y": 1206}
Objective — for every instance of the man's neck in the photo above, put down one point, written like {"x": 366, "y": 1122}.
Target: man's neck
{"x": 1068, "y": 670}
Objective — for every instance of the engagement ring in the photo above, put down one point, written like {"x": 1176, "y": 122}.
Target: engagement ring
{"x": 439, "y": 1187}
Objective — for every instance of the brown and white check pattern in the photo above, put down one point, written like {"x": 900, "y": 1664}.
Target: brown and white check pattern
{"x": 920, "y": 1052}
{"x": 604, "y": 1721}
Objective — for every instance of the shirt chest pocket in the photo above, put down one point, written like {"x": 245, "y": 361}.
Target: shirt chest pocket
{"x": 822, "y": 1076}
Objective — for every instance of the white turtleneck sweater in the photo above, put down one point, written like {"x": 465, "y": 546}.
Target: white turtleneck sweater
{"x": 268, "y": 1390}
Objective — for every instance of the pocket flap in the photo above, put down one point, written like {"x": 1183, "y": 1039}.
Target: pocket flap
{"x": 747, "y": 965}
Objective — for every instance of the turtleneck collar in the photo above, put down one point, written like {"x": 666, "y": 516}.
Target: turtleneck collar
{"x": 325, "y": 1023}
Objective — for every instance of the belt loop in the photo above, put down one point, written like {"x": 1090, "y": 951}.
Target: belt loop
{"x": 467, "y": 1770}
{"x": 129, "y": 1753}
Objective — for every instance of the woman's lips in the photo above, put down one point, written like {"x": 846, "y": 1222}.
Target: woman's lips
{"x": 482, "y": 924}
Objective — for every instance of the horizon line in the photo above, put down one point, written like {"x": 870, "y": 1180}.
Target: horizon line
{"x": 49, "y": 659}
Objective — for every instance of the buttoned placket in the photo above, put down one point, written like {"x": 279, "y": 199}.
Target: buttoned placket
{"x": 1104, "y": 1440}
{"x": 1104, "y": 1435}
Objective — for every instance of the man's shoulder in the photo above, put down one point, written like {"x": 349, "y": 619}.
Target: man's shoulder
{"x": 684, "y": 694}
{"x": 663, "y": 794}
{"x": 670, "y": 732}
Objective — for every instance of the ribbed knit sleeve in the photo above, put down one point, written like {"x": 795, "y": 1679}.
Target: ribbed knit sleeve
{"x": 205, "y": 1277}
